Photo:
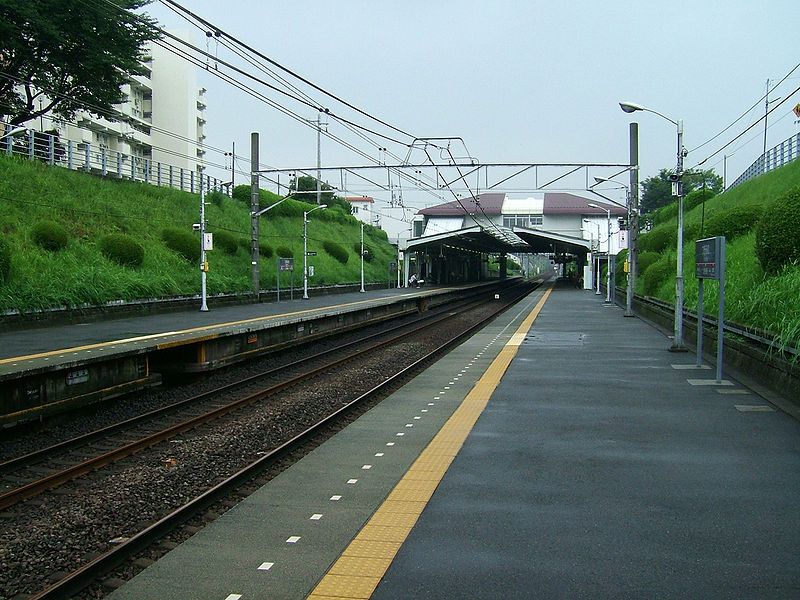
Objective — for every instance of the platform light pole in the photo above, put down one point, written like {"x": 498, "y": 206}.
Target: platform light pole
{"x": 362, "y": 259}
{"x": 631, "y": 258}
{"x": 305, "y": 248}
{"x": 608, "y": 248}
{"x": 677, "y": 190}
{"x": 203, "y": 261}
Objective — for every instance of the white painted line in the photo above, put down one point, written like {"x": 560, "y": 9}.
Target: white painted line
{"x": 436, "y": 397}
{"x": 754, "y": 408}
{"x": 417, "y": 418}
{"x": 390, "y": 443}
{"x": 447, "y": 387}
{"x": 293, "y": 539}
{"x": 265, "y": 567}
{"x": 735, "y": 392}
{"x": 366, "y": 467}
{"x": 449, "y": 383}
{"x": 690, "y": 367}
{"x": 336, "y": 498}
{"x": 424, "y": 410}
{"x": 708, "y": 382}
{"x": 233, "y": 597}
{"x": 400, "y": 434}
{"x": 409, "y": 424}
{"x": 431, "y": 403}
{"x": 315, "y": 517}
{"x": 379, "y": 454}
{"x": 352, "y": 481}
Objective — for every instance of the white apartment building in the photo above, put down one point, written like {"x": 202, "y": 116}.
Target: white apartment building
{"x": 162, "y": 119}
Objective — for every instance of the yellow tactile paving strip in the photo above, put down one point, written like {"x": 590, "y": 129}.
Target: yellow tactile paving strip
{"x": 359, "y": 570}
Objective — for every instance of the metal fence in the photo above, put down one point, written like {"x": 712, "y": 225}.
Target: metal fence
{"x": 50, "y": 149}
{"x": 785, "y": 152}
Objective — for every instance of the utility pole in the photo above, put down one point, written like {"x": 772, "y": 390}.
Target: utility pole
{"x": 203, "y": 262}
{"x": 254, "y": 207}
{"x": 319, "y": 156}
{"x": 633, "y": 217}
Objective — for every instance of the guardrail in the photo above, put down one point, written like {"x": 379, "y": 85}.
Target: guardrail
{"x": 80, "y": 156}
{"x": 785, "y": 152}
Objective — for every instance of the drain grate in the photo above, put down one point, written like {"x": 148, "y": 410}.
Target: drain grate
{"x": 556, "y": 339}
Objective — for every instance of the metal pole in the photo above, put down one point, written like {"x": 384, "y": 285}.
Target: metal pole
{"x": 700, "y": 309}
{"x": 608, "y": 256}
{"x": 305, "y": 256}
{"x": 633, "y": 217}
{"x": 362, "y": 258}
{"x": 254, "y": 207}
{"x": 677, "y": 340}
{"x": 203, "y": 266}
{"x": 721, "y": 317}
{"x": 233, "y": 159}
{"x": 319, "y": 157}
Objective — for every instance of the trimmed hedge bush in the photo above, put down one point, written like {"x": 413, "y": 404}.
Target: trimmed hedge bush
{"x": 778, "y": 233}
{"x": 284, "y": 252}
{"x": 658, "y": 239}
{"x": 337, "y": 251}
{"x": 695, "y": 198}
{"x": 5, "y": 261}
{"x": 732, "y": 223}
{"x": 226, "y": 241}
{"x": 656, "y": 274}
{"x": 216, "y": 197}
{"x": 644, "y": 260}
{"x": 122, "y": 249}
{"x": 264, "y": 250}
{"x": 182, "y": 242}
{"x": 49, "y": 235}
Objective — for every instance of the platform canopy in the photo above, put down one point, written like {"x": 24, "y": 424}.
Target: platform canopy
{"x": 499, "y": 240}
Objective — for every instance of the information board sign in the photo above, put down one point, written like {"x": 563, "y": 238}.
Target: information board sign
{"x": 708, "y": 257}
{"x": 286, "y": 264}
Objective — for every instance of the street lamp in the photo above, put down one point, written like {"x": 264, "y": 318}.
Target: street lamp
{"x": 631, "y": 253}
{"x": 595, "y": 273}
{"x": 362, "y": 258}
{"x": 677, "y": 190}
{"x": 305, "y": 248}
{"x": 608, "y": 248}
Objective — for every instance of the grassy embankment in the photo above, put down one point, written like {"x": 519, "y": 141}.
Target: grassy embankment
{"x": 752, "y": 298}
{"x": 89, "y": 207}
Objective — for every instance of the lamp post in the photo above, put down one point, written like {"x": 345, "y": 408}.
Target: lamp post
{"x": 608, "y": 248}
{"x": 362, "y": 258}
{"x": 677, "y": 190}
{"x": 631, "y": 268}
{"x": 305, "y": 248}
{"x": 595, "y": 273}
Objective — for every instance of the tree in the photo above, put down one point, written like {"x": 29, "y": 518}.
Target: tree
{"x": 60, "y": 56}
{"x": 657, "y": 190}
{"x": 305, "y": 189}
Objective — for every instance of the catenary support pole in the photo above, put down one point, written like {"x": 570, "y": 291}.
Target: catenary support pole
{"x": 633, "y": 217}
{"x": 254, "y": 207}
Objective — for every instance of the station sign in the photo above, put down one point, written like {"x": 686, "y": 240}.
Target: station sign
{"x": 286, "y": 264}
{"x": 708, "y": 257}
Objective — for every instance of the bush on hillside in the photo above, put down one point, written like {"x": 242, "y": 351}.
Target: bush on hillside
{"x": 666, "y": 213}
{"x": 337, "y": 251}
{"x": 644, "y": 260}
{"x": 620, "y": 276}
{"x": 696, "y": 198}
{"x": 215, "y": 197}
{"x": 284, "y": 252}
{"x": 658, "y": 239}
{"x": 242, "y": 193}
{"x": 5, "y": 261}
{"x": 778, "y": 233}
{"x": 122, "y": 249}
{"x": 656, "y": 274}
{"x": 226, "y": 241}
{"x": 264, "y": 250}
{"x": 49, "y": 235}
{"x": 182, "y": 242}
{"x": 733, "y": 222}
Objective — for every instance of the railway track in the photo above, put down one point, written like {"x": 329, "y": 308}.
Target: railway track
{"x": 307, "y": 427}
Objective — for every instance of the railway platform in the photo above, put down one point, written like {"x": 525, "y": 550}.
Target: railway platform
{"x": 562, "y": 452}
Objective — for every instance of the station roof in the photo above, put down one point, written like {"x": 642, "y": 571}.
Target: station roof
{"x": 497, "y": 240}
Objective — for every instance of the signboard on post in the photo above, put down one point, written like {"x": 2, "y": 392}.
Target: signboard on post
{"x": 710, "y": 264}
{"x": 286, "y": 264}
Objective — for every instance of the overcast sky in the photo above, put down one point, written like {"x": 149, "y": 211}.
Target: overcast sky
{"x": 519, "y": 81}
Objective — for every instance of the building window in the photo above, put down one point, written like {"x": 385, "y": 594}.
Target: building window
{"x": 526, "y": 221}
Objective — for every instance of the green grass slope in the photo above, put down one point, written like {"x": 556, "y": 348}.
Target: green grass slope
{"x": 752, "y": 298}
{"x": 89, "y": 208}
